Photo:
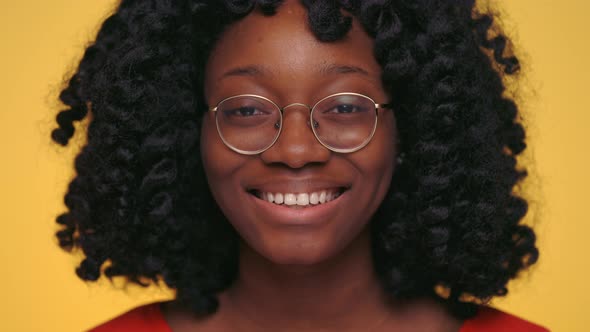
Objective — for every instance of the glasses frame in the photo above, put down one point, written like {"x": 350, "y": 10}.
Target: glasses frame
{"x": 311, "y": 110}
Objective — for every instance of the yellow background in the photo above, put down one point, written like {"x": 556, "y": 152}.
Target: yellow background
{"x": 41, "y": 40}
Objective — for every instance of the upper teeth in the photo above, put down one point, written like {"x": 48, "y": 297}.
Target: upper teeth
{"x": 301, "y": 199}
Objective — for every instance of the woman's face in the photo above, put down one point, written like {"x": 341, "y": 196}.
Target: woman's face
{"x": 279, "y": 58}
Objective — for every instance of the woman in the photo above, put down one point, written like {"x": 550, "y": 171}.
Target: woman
{"x": 300, "y": 166}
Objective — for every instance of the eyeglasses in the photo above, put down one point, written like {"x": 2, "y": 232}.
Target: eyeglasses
{"x": 343, "y": 122}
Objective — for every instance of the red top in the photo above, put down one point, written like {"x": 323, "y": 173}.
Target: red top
{"x": 150, "y": 318}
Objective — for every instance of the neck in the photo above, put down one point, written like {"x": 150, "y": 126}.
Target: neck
{"x": 338, "y": 294}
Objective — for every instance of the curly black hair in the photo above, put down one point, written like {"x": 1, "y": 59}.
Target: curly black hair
{"x": 139, "y": 206}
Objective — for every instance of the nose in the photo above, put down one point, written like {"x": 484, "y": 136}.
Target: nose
{"x": 296, "y": 145}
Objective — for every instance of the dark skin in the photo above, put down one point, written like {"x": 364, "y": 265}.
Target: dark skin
{"x": 293, "y": 275}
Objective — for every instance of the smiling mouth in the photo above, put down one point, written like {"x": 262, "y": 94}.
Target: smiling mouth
{"x": 299, "y": 200}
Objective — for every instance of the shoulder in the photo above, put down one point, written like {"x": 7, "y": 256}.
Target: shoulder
{"x": 145, "y": 318}
{"x": 490, "y": 319}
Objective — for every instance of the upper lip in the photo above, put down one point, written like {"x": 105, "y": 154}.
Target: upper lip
{"x": 296, "y": 185}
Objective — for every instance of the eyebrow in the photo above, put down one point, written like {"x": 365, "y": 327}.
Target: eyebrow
{"x": 252, "y": 70}
{"x": 325, "y": 69}
{"x": 342, "y": 69}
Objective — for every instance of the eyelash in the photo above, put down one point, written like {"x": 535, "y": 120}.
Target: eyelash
{"x": 354, "y": 109}
{"x": 239, "y": 112}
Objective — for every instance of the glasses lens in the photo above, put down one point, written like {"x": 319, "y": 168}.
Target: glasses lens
{"x": 248, "y": 123}
{"x": 344, "y": 122}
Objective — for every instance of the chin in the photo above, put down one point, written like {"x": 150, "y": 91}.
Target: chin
{"x": 301, "y": 251}
{"x": 302, "y": 258}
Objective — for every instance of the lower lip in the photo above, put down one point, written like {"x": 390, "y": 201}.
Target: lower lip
{"x": 299, "y": 216}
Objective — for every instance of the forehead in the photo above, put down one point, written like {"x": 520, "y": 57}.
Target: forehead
{"x": 283, "y": 45}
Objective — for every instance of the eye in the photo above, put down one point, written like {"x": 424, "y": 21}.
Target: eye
{"x": 345, "y": 109}
{"x": 244, "y": 111}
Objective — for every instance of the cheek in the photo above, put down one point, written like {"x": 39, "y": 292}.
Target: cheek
{"x": 222, "y": 168}
{"x": 378, "y": 161}
{"x": 209, "y": 156}
{"x": 219, "y": 162}
{"x": 376, "y": 165}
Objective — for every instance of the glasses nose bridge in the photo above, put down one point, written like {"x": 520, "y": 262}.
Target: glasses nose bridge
{"x": 295, "y": 104}
{"x": 296, "y": 143}
{"x": 309, "y": 108}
